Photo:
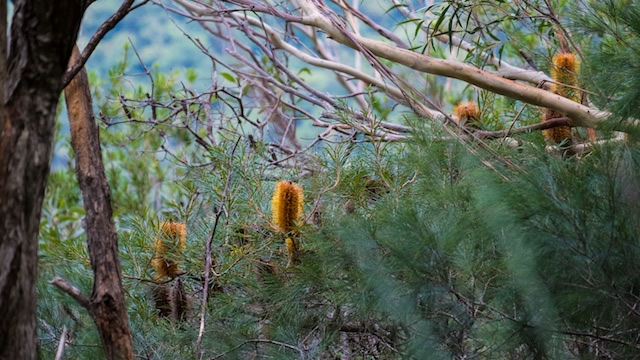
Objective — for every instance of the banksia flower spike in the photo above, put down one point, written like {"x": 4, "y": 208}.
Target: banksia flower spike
{"x": 287, "y": 205}
{"x": 468, "y": 114}
{"x": 564, "y": 71}
{"x": 172, "y": 239}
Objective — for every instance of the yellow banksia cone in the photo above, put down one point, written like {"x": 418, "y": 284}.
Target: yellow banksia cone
{"x": 468, "y": 114}
{"x": 287, "y": 205}
{"x": 171, "y": 240}
{"x": 564, "y": 70}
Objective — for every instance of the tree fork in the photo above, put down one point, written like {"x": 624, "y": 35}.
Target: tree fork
{"x": 107, "y": 303}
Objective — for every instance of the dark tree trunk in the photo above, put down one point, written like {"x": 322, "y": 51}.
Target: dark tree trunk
{"x": 107, "y": 305}
{"x": 42, "y": 36}
{"x": 3, "y": 58}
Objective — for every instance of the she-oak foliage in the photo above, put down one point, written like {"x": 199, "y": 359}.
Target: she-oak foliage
{"x": 441, "y": 258}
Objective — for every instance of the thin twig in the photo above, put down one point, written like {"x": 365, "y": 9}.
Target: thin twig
{"x": 122, "y": 11}
{"x": 61, "y": 344}
{"x": 264, "y": 341}
{"x": 515, "y": 119}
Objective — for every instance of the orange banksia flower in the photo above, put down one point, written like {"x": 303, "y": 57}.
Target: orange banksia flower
{"x": 171, "y": 240}
{"x": 564, "y": 70}
{"x": 287, "y": 205}
{"x": 468, "y": 113}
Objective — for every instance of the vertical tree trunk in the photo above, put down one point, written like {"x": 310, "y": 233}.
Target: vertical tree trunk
{"x": 42, "y": 36}
{"x": 3, "y": 58}
{"x": 107, "y": 305}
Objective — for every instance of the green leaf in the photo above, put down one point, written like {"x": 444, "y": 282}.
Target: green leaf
{"x": 228, "y": 76}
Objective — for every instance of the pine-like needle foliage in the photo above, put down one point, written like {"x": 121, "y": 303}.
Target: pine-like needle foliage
{"x": 613, "y": 59}
{"x": 171, "y": 240}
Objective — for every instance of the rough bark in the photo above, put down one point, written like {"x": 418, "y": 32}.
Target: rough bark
{"x": 42, "y": 36}
{"x": 107, "y": 304}
{"x": 3, "y": 58}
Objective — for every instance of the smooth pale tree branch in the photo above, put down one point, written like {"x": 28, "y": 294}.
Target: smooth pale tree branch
{"x": 279, "y": 43}
{"x": 505, "y": 69}
{"x": 61, "y": 344}
{"x": 579, "y": 114}
{"x": 372, "y": 24}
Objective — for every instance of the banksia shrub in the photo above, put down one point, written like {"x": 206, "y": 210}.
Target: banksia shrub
{"x": 171, "y": 240}
{"x": 468, "y": 114}
{"x": 287, "y": 205}
{"x": 564, "y": 71}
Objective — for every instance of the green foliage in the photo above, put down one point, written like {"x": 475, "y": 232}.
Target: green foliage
{"x": 421, "y": 249}
{"x": 614, "y": 56}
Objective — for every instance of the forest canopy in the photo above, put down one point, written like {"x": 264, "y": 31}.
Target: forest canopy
{"x": 320, "y": 179}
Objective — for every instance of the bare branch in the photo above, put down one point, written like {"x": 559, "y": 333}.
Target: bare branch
{"x": 505, "y": 69}
{"x": 61, "y": 344}
{"x": 72, "y": 291}
{"x": 580, "y": 115}
{"x": 125, "y": 8}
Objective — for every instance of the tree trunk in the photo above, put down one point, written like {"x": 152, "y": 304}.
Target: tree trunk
{"x": 107, "y": 305}
{"x": 3, "y": 58}
{"x": 42, "y": 36}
